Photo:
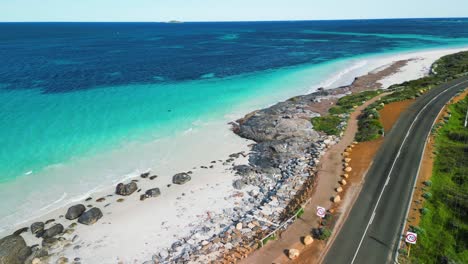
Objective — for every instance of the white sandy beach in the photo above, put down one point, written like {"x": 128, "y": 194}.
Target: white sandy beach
{"x": 134, "y": 230}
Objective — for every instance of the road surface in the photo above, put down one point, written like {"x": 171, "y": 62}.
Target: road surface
{"x": 371, "y": 232}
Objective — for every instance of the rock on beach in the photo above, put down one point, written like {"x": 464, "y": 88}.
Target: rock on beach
{"x": 53, "y": 231}
{"x": 126, "y": 189}
{"x": 75, "y": 211}
{"x": 181, "y": 178}
{"x": 91, "y": 216}
{"x": 37, "y": 227}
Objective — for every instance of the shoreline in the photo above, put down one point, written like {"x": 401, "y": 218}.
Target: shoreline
{"x": 85, "y": 171}
{"x": 120, "y": 215}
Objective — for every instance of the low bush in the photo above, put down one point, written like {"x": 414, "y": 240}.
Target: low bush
{"x": 327, "y": 124}
{"x": 427, "y": 195}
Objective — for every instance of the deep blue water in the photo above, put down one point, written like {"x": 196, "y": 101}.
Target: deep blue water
{"x": 63, "y": 57}
{"x": 71, "y": 93}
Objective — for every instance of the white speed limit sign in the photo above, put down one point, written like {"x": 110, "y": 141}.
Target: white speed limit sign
{"x": 411, "y": 237}
{"x": 321, "y": 212}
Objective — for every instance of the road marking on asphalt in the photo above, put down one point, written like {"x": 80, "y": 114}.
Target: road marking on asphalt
{"x": 372, "y": 217}
{"x": 393, "y": 165}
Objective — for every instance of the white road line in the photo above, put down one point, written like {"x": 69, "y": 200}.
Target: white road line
{"x": 393, "y": 165}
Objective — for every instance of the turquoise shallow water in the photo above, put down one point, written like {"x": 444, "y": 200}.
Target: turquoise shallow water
{"x": 62, "y": 103}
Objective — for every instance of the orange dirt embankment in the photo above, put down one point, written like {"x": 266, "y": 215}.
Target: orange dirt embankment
{"x": 425, "y": 173}
{"x": 391, "y": 112}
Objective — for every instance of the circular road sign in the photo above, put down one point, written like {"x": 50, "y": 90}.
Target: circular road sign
{"x": 321, "y": 212}
{"x": 411, "y": 237}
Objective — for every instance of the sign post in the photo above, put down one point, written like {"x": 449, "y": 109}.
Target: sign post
{"x": 321, "y": 212}
{"x": 410, "y": 238}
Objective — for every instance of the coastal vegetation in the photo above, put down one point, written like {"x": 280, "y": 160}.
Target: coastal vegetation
{"x": 445, "y": 69}
{"x": 443, "y": 230}
{"x": 335, "y": 121}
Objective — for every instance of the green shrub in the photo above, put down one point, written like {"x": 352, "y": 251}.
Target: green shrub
{"x": 428, "y": 183}
{"x": 418, "y": 230}
{"x": 427, "y": 195}
{"x": 424, "y": 211}
{"x": 369, "y": 129}
{"x": 325, "y": 234}
{"x": 327, "y": 124}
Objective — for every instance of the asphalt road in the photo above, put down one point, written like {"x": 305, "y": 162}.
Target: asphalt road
{"x": 371, "y": 233}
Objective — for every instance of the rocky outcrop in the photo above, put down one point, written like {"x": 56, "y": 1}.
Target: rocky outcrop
{"x": 13, "y": 250}
{"x": 126, "y": 189}
{"x": 181, "y": 178}
{"x": 53, "y": 231}
{"x": 91, "y": 216}
{"x": 75, "y": 211}
{"x": 286, "y": 119}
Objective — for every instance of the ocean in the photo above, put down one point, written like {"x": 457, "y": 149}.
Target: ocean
{"x": 78, "y": 99}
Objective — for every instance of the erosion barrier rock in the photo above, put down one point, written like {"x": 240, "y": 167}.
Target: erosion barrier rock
{"x": 336, "y": 199}
{"x": 346, "y": 175}
{"x": 126, "y": 189}
{"x": 91, "y": 216}
{"x": 53, "y": 231}
{"x": 347, "y": 160}
{"x": 339, "y": 189}
{"x": 348, "y": 169}
{"x": 308, "y": 240}
{"x": 293, "y": 253}
{"x": 13, "y": 250}
{"x": 181, "y": 178}
{"x": 343, "y": 182}
{"x": 75, "y": 211}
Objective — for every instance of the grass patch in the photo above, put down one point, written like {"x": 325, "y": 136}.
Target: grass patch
{"x": 445, "y": 216}
{"x": 300, "y": 212}
{"x": 270, "y": 238}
